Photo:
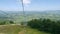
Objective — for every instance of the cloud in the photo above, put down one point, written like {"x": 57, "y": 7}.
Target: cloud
{"x": 26, "y": 2}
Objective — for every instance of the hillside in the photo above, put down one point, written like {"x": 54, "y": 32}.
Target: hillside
{"x": 18, "y": 29}
{"x": 17, "y": 16}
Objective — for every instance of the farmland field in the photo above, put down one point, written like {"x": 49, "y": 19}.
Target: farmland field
{"x": 18, "y": 17}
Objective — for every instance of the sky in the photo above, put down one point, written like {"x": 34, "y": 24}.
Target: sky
{"x": 29, "y": 5}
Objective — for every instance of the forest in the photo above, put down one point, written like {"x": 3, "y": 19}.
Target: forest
{"x": 46, "y": 25}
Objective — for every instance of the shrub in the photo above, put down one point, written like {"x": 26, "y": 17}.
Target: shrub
{"x": 11, "y": 22}
{"x": 2, "y": 23}
{"x": 46, "y": 25}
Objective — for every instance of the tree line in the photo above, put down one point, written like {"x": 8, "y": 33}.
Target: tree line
{"x": 6, "y": 22}
{"x": 46, "y": 25}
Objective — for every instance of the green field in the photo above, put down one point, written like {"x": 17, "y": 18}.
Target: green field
{"x": 18, "y": 29}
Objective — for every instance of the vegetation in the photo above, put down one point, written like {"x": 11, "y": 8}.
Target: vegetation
{"x": 18, "y": 29}
{"x": 6, "y": 22}
{"x": 45, "y": 25}
{"x": 2, "y": 23}
{"x": 11, "y": 22}
{"x": 10, "y": 29}
{"x": 17, "y": 16}
{"x": 40, "y": 26}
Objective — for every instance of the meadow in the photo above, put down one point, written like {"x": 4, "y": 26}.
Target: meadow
{"x": 18, "y": 29}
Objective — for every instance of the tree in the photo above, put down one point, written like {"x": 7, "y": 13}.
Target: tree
{"x": 11, "y": 22}
{"x": 46, "y": 25}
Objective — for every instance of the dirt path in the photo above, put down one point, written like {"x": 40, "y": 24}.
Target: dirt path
{"x": 22, "y": 32}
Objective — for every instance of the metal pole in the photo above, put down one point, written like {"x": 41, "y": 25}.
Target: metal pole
{"x": 24, "y": 21}
{"x": 24, "y": 15}
{"x": 23, "y": 7}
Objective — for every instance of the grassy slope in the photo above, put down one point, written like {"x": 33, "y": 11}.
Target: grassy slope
{"x": 15, "y": 29}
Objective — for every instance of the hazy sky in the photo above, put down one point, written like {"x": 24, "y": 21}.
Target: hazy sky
{"x": 30, "y": 5}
